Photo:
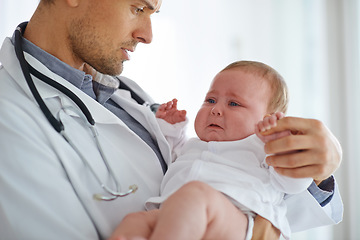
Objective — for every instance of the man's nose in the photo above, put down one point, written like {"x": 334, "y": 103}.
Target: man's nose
{"x": 143, "y": 33}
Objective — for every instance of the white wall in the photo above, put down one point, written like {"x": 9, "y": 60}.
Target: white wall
{"x": 13, "y": 12}
{"x": 193, "y": 41}
{"x": 344, "y": 76}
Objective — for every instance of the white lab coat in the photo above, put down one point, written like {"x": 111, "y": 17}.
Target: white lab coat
{"x": 37, "y": 200}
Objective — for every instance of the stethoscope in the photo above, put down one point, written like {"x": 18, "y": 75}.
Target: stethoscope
{"x": 85, "y": 114}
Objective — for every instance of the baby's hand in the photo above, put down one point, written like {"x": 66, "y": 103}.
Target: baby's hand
{"x": 267, "y": 123}
{"x": 169, "y": 112}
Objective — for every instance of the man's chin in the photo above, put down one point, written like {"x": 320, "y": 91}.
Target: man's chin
{"x": 112, "y": 71}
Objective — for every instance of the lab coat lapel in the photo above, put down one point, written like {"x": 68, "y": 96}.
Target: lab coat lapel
{"x": 11, "y": 64}
{"x": 145, "y": 117}
{"x": 99, "y": 113}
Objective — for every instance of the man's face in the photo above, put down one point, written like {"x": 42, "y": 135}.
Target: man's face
{"x": 107, "y": 30}
{"x": 235, "y": 102}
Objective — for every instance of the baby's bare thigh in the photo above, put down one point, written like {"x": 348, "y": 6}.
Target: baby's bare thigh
{"x": 138, "y": 224}
{"x": 228, "y": 221}
{"x": 209, "y": 208}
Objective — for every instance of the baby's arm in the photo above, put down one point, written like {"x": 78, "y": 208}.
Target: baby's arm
{"x": 172, "y": 123}
{"x": 282, "y": 183}
{"x": 169, "y": 112}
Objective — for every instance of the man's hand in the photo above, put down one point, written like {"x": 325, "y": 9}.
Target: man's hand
{"x": 310, "y": 151}
{"x": 264, "y": 230}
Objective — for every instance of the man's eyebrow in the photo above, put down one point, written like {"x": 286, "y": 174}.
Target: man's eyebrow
{"x": 148, "y": 5}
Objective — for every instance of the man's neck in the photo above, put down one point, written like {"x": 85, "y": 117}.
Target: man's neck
{"x": 51, "y": 35}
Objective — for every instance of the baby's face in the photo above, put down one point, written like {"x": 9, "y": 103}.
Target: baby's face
{"x": 235, "y": 102}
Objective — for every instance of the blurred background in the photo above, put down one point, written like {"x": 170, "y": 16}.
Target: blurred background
{"x": 313, "y": 44}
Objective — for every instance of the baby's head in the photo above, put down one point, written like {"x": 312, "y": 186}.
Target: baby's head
{"x": 239, "y": 97}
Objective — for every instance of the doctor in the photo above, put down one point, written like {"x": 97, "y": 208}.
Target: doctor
{"x": 58, "y": 183}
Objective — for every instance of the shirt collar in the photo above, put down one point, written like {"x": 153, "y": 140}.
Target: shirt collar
{"x": 76, "y": 77}
{"x": 103, "y": 93}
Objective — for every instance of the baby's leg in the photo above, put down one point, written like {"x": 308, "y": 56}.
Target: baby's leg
{"x": 138, "y": 224}
{"x": 197, "y": 211}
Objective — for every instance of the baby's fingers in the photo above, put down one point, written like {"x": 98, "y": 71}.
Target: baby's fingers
{"x": 267, "y": 123}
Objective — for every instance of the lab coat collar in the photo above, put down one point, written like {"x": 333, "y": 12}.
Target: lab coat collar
{"x": 100, "y": 114}
{"x": 12, "y": 65}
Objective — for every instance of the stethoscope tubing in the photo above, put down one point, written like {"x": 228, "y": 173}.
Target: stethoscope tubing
{"x": 27, "y": 69}
{"x": 58, "y": 126}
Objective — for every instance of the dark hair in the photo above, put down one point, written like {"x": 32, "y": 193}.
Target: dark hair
{"x": 48, "y": 1}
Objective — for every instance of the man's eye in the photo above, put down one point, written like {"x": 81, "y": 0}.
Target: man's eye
{"x": 138, "y": 10}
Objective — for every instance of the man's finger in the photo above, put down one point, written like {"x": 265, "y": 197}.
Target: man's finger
{"x": 302, "y": 172}
{"x": 295, "y": 124}
{"x": 291, "y": 160}
{"x": 290, "y": 143}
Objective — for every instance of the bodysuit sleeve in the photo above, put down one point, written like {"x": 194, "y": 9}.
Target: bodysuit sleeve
{"x": 175, "y": 134}
{"x": 288, "y": 185}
